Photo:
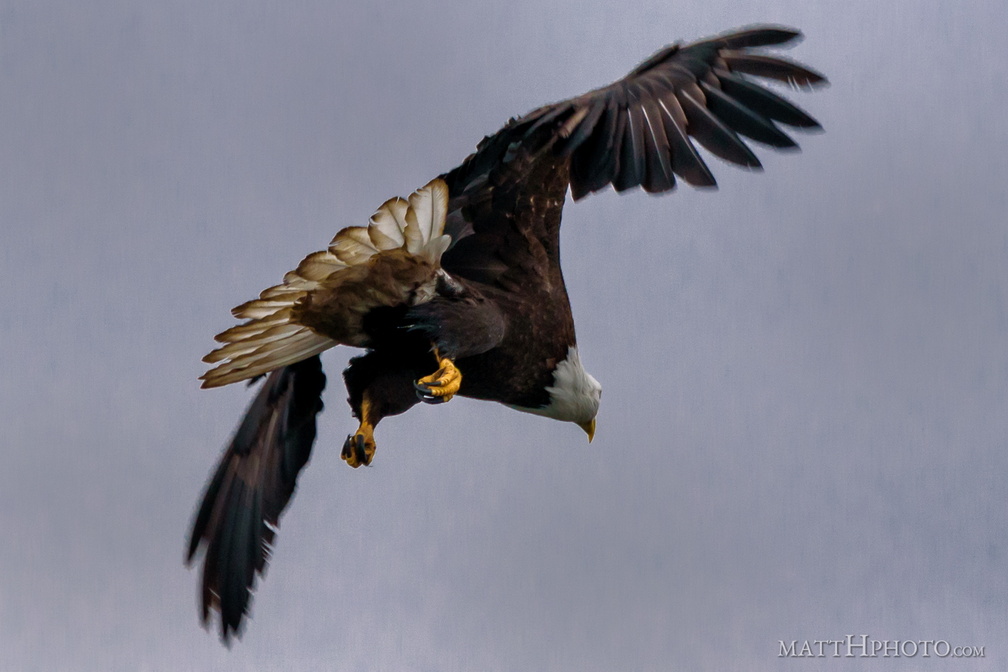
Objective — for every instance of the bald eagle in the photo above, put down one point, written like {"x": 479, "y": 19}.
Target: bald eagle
{"x": 458, "y": 288}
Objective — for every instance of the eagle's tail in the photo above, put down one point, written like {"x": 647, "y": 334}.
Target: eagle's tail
{"x": 250, "y": 488}
{"x": 272, "y": 337}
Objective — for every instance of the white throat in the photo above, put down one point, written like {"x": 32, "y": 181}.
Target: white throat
{"x": 574, "y": 395}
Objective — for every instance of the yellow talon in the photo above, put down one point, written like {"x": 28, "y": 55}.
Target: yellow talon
{"x": 441, "y": 385}
{"x": 359, "y": 448}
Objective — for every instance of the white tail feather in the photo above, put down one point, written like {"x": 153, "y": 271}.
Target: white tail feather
{"x": 271, "y": 337}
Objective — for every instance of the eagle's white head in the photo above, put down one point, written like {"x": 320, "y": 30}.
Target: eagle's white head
{"x": 574, "y": 395}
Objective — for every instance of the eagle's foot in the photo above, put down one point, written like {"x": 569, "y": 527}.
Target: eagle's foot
{"x": 359, "y": 448}
{"x": 441, "y": 385}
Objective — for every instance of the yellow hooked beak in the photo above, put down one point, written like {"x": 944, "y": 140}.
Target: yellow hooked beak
{"x": 589, "y": 428}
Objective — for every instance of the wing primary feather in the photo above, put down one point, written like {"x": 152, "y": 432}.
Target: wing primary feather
{"x": 235, "y": 570}
{"x": 764, "y": 101}
{"x": 758, "y": 36}
{"x": 743, "y": 120}
{"x": 660, "y": 176}
{"x": 596, "y": 161}
{"x": 772, "y": 67}
{"x": 202, "y": 521}
{"x": 624, "y": 178}
{"x": 714, "y": 135}
{"x": 209, "y": 599}
{"x": 686, "y": 161}
{"x": 587, "y": 169}
{"x": 632, "y": 160}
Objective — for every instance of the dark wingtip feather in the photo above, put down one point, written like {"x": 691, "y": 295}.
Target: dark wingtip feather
{"x": 250, "y": 488}
{"x": 631, "y": 169}
{"x": 198, "y": 528}
{"x": 773, "y": 67}
{"x": 744, "y": 120}
{"x": 754, "y": 36}
{"x": 240, "y": 548}
{"x": 764, "y": 101}
{"x": 715, "y": 136}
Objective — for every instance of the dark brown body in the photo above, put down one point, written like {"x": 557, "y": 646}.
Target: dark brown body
{"x": 506, "y": 324}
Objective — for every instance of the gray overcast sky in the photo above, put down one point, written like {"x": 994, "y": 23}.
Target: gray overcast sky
{"x": 806, "y": 372}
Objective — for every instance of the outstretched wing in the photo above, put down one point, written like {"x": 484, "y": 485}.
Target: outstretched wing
{"x": 250, "y": 488}
{"x": 639, "y": 131}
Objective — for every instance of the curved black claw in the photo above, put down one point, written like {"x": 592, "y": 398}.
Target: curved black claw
{"x": 423, "y": 391}
{"x": 355, "y": 451}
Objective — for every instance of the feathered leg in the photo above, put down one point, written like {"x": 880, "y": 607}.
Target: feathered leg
{"x": 380, "y": 384}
